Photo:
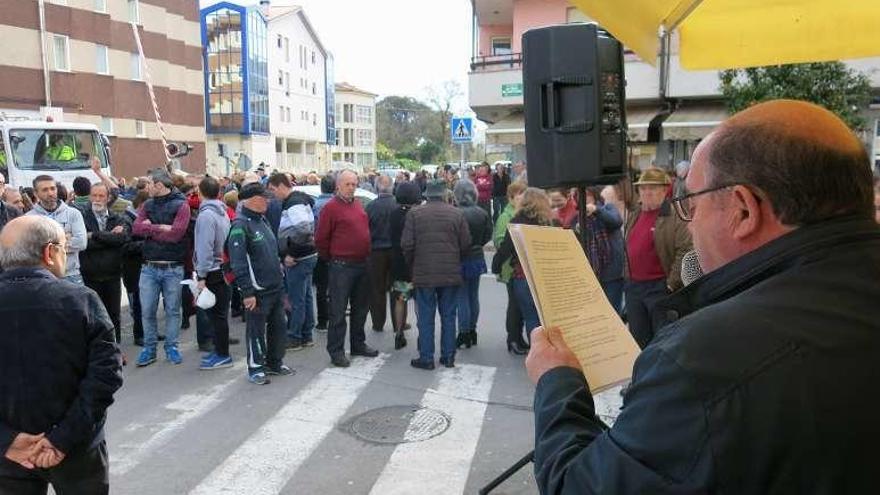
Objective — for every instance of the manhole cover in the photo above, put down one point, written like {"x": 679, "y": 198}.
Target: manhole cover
{"x": 400, "y": 424}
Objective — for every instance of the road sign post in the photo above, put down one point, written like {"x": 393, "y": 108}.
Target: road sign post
{"x": 462, "y": 133}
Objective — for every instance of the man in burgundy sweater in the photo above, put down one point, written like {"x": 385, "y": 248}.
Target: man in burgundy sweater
{"x": 343, "y": 239}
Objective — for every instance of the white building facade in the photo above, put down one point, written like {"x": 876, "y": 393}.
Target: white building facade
{"x": 355, "y": 128}
{"x": 297, "y": 92}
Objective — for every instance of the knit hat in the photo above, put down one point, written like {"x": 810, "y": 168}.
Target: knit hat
{"x": 408, "y": 193}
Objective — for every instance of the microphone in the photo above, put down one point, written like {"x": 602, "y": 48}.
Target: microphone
{"x": 690, "y": 268}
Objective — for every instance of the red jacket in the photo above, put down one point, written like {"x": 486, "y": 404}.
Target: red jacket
{"x": 343, "y": 231}
{"x": 484, "y": 187}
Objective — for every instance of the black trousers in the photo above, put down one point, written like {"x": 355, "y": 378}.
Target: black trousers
{"x": 514, "y": 320}
{"x": 110, "y": 292}
{"x": 83, "y": 473}
{"x": 321, "y": 278}
{"x": 641, "y": 298}
{"x": 380, "y": 285}
{"x": 349, "y": 284}
{"x": 218, "y": 316}
{"x": 266, "y": 332}
{"x": 131, "y": 275}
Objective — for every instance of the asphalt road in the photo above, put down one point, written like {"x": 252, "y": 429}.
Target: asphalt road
{"x": 178, "y": 430}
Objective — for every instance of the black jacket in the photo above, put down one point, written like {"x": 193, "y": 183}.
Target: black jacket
{"x": 762, "y": 382}
{"x": 59, "y": 363}
{"x": 102, "y": 258}
{"x": 480, "y": 225}
{"x": 379, "y": 212}
{"x": 253, "y": 254}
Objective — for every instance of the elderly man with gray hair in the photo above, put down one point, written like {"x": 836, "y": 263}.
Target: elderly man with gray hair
{"x": 59, "y": 367}
{"x": 379, "y": 213}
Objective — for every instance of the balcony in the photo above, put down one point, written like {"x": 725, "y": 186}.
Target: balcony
{"x": 495, "y": 86}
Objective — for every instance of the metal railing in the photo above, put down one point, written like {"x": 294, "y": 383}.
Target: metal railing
{"x": 496, "y": 62}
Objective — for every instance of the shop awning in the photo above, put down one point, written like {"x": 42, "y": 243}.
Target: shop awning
{"x": 638, "y": 119}
{"x": 721, "y": 34}
{"x": 690, "y": 123}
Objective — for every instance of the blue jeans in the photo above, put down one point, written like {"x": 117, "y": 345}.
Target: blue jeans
{"x": 526, "y": 304}
{"x": 164, "y": 281}
{"x": 428, "y": 301}
{"x": 614, "y": 292}
{"x": 469, "y": 305}
{"x": 299, "y": 292}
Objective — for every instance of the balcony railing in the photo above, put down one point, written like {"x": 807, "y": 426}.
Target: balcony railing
{"x": 496, "y": 62}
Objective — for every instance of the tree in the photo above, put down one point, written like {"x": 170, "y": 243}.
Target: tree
{"x": 383, "y": 152}
{"x": 429, "y": 151}
{"x": 402, "y": 122}
{"x": 832, "y": 85}
{"x": 443, "y": 98}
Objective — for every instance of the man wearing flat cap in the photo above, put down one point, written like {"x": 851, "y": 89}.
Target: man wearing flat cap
{"x": 656, "y": 241}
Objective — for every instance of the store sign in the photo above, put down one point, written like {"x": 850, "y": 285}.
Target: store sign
{"x": 512, "y": 89}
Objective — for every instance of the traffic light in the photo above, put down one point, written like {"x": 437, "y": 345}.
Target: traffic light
{"x": 177, "y": 150}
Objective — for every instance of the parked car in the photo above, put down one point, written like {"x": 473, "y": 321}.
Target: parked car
{"x": 362, "y": 195}
{"x": 431, "y": 169}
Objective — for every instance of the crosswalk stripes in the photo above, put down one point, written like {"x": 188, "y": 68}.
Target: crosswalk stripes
{"x": 269, "y": 457}
{"x": 188, "y": 408}
{"x": 441, "y": 464}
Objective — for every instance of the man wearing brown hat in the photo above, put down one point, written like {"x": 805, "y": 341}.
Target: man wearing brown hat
{"x": 656, "y": 240}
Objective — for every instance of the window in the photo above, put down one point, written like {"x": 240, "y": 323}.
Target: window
{"x": 106, "y": 125}
{"x": 364, "y": 114}
{"x": 136, "y": 73}
{"x": 134, "y": 12}
{"x": 348, "y": 113}
{"x": 102, "y": 63}
{"x": 60, "y": 52}
{"x": 279, "y": 41}
{"x": 315, "y": 119}
{"x": 281, "y": 78}
{"x": 58, "y": 2}
{"x": 101, "y": 6}
{"x": 313, "y": 57}
{"x": 288, "y": 114}
{"x": 501, "y": 46}
{"x": 287, "y": 82}
{"x": 302, "y": 57}
{"x": 281, "y": 114}
{"x": 140, "y": 129}
{"x": 287, "y": 49}
{"x": 365, "y": 138}
{"x": 314, "y": 89}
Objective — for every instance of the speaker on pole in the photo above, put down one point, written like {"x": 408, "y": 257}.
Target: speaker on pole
{"x": 573, "y": 83}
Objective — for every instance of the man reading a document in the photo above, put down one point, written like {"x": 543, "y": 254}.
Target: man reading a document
{"x": 762, "y": 379}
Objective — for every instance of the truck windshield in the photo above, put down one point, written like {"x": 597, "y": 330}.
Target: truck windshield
{"x": 55, "y": 149}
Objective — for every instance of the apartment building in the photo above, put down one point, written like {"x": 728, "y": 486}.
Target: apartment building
{"x": 668, "y": 110}
{"x": 78, "y": 61}
{"x": 355, "y": 126}
{"x": 236, "y": 80}
{"x": 298, "y": 89}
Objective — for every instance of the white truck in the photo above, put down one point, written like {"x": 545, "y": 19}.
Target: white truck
{"x": 29, "y": 148}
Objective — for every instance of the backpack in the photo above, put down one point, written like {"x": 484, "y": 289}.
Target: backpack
{"x": 297, "y": 228}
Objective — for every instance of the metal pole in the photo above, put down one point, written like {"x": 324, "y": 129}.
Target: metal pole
{"x": 461, "y": 163}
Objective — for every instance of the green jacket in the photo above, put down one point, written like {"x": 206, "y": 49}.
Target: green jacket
{"x": 498, "y": 237}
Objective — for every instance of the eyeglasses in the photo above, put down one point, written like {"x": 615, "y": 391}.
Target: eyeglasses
{"x": 684, "y": 204}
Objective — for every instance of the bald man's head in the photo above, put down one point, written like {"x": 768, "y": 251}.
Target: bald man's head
{"x": 24, "y": 240}
{"x": 803, "y": 158}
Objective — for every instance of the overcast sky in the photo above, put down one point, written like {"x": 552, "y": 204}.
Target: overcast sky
{"x": 393, "y": 47}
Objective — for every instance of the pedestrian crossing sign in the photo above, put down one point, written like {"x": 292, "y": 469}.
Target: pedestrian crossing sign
{"x": 462, "y": 129}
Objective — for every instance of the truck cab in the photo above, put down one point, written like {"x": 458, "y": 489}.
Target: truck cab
{"x": 29, "y": 148}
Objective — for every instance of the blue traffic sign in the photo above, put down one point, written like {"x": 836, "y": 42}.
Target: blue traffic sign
{"x": 462, "y": 129}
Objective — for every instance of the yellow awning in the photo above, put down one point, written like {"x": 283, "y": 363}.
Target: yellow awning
{"x": 720, "y": 34}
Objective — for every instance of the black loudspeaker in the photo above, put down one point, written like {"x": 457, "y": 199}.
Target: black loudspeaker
{"x": 573, "y": 83}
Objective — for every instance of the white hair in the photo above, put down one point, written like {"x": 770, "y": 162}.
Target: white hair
{"x": 26, "y": 250}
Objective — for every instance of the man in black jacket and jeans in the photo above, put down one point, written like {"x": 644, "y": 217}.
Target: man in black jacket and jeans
{"x": 761, "y": 381}
{"x": 59, "y": 368}
{"x": 379, "y": 212}
{"x": 101, "y": 262}
{"x": 253, "y": 256}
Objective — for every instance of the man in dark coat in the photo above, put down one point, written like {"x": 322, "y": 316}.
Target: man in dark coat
{"x": 435, "y": 239}
{"x": 101, "y": 262}
{"x": 379, "y": 212}
{"x": 59, "y": 367}
{"x": 760, "y": 381}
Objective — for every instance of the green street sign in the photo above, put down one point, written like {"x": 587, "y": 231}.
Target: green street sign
{"x": 512, "y": 89}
